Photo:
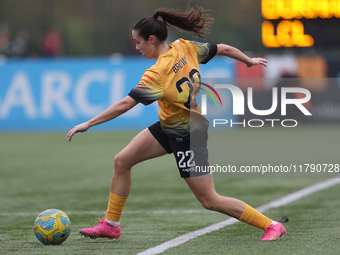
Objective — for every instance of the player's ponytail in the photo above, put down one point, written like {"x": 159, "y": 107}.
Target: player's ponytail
{"x": 194, "y": 20}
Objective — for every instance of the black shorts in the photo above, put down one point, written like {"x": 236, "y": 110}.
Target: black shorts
{"x": 190, "y": 151}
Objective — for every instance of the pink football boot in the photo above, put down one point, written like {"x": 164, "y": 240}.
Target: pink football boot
{"x": 103, "y": 230}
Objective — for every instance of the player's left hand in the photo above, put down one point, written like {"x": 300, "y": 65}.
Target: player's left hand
{"x": 257, "y": 61}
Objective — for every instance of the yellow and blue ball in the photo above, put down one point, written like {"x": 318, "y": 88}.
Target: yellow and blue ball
{"x": 52, "y": 226}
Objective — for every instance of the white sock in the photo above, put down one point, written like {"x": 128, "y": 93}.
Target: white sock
{"x": 274, "y": 223}
{"x": 113, "y": 223}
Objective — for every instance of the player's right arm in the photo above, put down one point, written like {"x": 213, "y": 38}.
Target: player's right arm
{"x": 110, "y": 113}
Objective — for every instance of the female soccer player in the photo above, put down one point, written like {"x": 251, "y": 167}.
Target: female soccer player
{"x": 174, "y": 81}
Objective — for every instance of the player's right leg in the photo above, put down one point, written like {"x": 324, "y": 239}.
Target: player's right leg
{"x": 204, "y": 190}
{"x": 142, "y": 147}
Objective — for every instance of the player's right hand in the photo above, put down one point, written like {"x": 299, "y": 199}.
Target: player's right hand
{"x": 79, "y": 128}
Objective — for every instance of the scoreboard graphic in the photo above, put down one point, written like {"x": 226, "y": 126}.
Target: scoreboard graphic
{"x": 301, "y": 23}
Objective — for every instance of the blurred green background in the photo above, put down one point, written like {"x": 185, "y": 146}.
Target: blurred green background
{"x": 103, "y": 27}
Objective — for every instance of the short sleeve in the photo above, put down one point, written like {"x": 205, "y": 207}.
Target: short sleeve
{"x": 205, "y": 51}
{"x": 149, "y": 88}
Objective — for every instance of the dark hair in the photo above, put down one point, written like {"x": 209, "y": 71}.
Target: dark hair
{"x": 195, "y": 20}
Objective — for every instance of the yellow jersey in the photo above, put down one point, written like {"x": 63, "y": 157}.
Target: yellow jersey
{"x": 175, "y": 81}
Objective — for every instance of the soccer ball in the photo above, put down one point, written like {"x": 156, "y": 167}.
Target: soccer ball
{"x": 52, "y": 226}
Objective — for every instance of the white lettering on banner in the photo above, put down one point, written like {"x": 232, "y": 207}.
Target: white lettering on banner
{"x": 61, "y": 93}
{"x": 19, "y": 94}
{"x": 81, "y": 92}
{"x": 116, "y": 93}
{"x": 56, "y": 95}
{"x": 117, "y": 85}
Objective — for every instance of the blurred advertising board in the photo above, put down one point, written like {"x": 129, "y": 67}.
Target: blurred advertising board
{"x": 56, "y": 94}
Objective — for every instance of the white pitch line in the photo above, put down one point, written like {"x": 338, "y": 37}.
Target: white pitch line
{"x": 274, "y": 204}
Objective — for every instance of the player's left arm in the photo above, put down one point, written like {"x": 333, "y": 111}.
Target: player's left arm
{"x": 232, "y": 52}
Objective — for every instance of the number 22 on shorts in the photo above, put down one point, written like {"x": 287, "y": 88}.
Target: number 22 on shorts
{"x": 186, "y": 158}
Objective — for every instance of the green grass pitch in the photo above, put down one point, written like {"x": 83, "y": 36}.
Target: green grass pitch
{"x": 41, "y": 171}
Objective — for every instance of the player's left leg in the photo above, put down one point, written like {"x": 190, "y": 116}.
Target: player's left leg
{"x": 142, "y": 147}
{"x": 204, "y": 190}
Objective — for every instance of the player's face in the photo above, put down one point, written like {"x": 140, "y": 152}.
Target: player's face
{"x": 145, "y": 47}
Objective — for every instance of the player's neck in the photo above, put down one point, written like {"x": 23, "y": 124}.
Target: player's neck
{"x": 161, "y": 49}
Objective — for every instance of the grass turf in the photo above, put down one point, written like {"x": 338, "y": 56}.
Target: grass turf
{"x": 41, "y": 171}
